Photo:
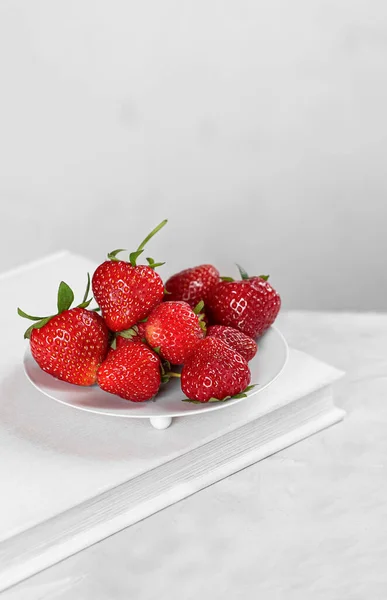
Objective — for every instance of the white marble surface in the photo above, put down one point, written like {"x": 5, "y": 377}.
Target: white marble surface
{"x": 309, "y": 522}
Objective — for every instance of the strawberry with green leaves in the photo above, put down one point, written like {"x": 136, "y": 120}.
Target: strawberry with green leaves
{"x": 250, "y": 305}
{"x": 127, "y": 292}
{"x": 192, "y": 285}
{"x": 71, "y": 344}
{"x": 174, "y": 329}
{"x": 214, "y": 372}
{"x": 133, "y": 335}
{"x": 132, "y": 371}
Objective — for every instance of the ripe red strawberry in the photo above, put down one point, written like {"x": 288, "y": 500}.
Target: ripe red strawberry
{"x": 250, "y": 305}
{"x": 238, "y": 341}
{"x": 71, "y": 344}
{"x": 127, "y": 292}
{"x": 175, "y": 329}
{"x": 134, "y": 334}
{"x": 131, "y": 372}
{"x": 192, "y": 285}
{"x": 214, "y": 371}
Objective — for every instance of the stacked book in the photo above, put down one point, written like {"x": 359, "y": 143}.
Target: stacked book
{"x": 70, "y": 478}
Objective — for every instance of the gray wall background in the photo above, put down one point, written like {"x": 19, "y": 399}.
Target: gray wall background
{"x": 258, "y": 128}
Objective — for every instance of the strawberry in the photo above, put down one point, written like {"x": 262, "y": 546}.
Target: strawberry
{"x": 127, "y": 292}
{"x": 250, "y": 305}
{"x": 134, "y": 334}
{"x": 131, "y": 372}
{"x": 175, "y": 329}
{"x": 238, "y": 341}
{"x": 71, "y": 344}
{"x": 214, "y": 371}
{"x": 192, "y": 285}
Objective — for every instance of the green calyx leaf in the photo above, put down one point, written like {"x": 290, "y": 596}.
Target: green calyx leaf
{"x": 249, "y": 388}
{"x": 242, "y": 272}
{"x": 227, "y": 279}
{"x": 166, "y": 293}
{"x": 197, "y": 310}
{"x": 166, "y": 373}
{"x": 129, "y": 333}
{"x": 264, "y": 277}
{"x": 86, "y": 304}
{"x": 87, "y": 289}
{"x": 113, "y": 255}
{"x": 192, "y": 401}
{"x": 21, "y": 313}
{"x": 133, "y": 256}
{"x": 242, "y": 394}
{"x": 37, "y": 325}
{"x": 65, "y": 297}
{"x": 153, "y": 264}
{"x": 157, "y": 350}
{"x": 199, "y": 307}
{"x": 39, "y": 322}
{"x": 113, "y": 345}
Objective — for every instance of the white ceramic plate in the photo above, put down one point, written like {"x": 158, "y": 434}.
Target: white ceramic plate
{"x": 265, "y": 367}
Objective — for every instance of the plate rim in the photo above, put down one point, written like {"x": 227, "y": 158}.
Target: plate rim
{"x": 202, "y": 409}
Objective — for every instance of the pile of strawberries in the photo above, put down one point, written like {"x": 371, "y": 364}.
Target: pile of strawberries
{"x": 204, "y": 322}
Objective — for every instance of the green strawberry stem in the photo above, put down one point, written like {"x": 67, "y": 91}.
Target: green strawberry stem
{"x": 65, "y": 298}
{"x": 151, "y": 234}
{"x": 134, "y": 255}
{"x": 168, "y": 375}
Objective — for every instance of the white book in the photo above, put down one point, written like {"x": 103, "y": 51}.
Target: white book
{"x": 69, "y": 478}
